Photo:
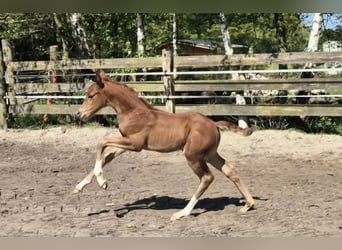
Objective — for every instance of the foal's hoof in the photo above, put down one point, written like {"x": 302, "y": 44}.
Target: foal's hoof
{"x": 104, "y": 185}
{"x": 177, "y": 216}
{"x": 246, "y": 208}
{"x": 174, "y": 218}
{"x": 76, "y": 191}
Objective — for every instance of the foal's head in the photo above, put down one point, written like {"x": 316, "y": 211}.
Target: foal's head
{"x": 95, "y": 99}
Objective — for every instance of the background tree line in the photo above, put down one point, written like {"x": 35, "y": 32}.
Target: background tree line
{"x": 121, "y": 35}
{"x": 105, "y": 35}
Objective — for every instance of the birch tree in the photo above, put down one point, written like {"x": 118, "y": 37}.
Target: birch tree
{"x": 80, "y": 35}
{"x": 174, "y": 34}
{"x": 228, "y": 50}
{"x": 174, "y": 41}
{"x": 315, "y": 32}
{"x": 141, "y": 35}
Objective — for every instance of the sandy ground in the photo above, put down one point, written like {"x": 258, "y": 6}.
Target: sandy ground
{"x": 295, "y": 178}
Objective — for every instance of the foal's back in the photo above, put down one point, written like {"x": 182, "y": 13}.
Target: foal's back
{"x": 168, "y": 132}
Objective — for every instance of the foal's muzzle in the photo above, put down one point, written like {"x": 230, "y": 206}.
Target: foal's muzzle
{"x": 78, "y": 115}
{"x": 81, "y": 117}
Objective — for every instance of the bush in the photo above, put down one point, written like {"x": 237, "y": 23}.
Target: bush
{"x": 329, "y": 125}
{"x": 25, "y": 121}
{"x": 38, "y": 121}
{"x": 35, "y": 121}
{"x": 324, "y": 124}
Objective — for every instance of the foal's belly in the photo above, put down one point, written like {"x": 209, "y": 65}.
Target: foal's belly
{"x": 166, "y": 140}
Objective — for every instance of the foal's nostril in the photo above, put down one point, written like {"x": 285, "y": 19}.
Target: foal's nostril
{"x": 81, "y": 116}
{"x": 78, "y": 115}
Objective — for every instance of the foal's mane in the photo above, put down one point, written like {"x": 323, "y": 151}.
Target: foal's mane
{"x": 143, "y": 100}
{"x": 135, "y": 94}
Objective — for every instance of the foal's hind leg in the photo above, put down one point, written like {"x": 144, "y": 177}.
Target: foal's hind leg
{"x": 206, "y": 177}
{"x": 108, "y": 155}
{"x": 228, "y": 170}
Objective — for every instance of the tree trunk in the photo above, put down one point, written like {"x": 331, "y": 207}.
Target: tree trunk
{"x": 228, "y": 51}
{"x": 141, "y": 35}
{"x": 313, "y": 43}
{"x": 3, "y": 90}
{"x": 315, "y": 32}
{"x": 281, "y": 33}
{"x": 174, "y": 42}
{"x": 80, "y": 35}
{"x": 61, "y": 35}
{"x": 114, "y": 20}
{"x": 225, "y": 35}
{"x": 174, "y": 34}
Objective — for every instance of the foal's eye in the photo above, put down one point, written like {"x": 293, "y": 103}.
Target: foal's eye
{"x": 91, "y": 96}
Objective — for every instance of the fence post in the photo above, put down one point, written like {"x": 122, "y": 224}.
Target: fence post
{"x": 53, "y": 60}
{"x": 9, "y": 76}
{"x": 3, "y": 107}
{"x": 168, "y": 80}
{"x": 53, "y": 78}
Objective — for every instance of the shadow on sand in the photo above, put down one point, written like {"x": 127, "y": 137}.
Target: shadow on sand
{"x": 167, "y": 202}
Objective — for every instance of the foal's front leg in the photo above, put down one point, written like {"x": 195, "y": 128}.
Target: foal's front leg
{"x": 108, "y": 155}
{"x": 79, "y": 187}
{"x": 98, "y": 172}
{"x": 121, "y": 143}
{"x": 106, "y": 150}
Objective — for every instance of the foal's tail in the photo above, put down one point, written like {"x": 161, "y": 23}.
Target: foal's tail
{"x": 234, "y": 128}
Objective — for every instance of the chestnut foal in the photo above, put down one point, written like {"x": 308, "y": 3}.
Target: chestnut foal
{"x": 145, "y": 127}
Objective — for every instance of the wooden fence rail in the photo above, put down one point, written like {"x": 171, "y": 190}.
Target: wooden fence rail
{"x": 21, "y": 93}
{"x": 295, "y": 58}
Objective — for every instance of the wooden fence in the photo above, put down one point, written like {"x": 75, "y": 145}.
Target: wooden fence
{"x": 36, "y": 86}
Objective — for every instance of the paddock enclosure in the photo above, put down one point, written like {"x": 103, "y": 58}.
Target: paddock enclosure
{"x": 295, "y": 179}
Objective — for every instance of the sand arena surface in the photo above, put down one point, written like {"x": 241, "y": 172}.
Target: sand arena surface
{"x": 295, "y": 178}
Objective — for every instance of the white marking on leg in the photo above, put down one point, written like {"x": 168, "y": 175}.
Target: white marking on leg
{"x": 79, "y": 187}
{"x": 99, "y": 174}
{"x": 185, "y": 211}
{"x": 98, "y": 168}
{"x": 242, "y": 124}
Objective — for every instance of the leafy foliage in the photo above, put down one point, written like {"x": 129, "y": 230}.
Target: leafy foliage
{"x": 329, "y": 125}
{"x": 114, "y": 34}
{"x": 325, "y": 124}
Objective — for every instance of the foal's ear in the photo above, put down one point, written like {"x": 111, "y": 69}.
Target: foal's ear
{"x": 100, "y": 78}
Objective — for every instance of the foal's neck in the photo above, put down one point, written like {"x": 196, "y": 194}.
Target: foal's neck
{"x": 124, "y": 99}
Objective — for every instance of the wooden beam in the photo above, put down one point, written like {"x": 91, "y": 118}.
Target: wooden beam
{"x": 74, "y": 64}
{"x": 182, "y": 61}
{"x": 262, "y": 110}
{"x": 210, "y": 110}
{"x": 155, "y": 86}
{"x": 196, "y": 85}
{"x": 277, "y": 84}
{"x": 257, "y": 59}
